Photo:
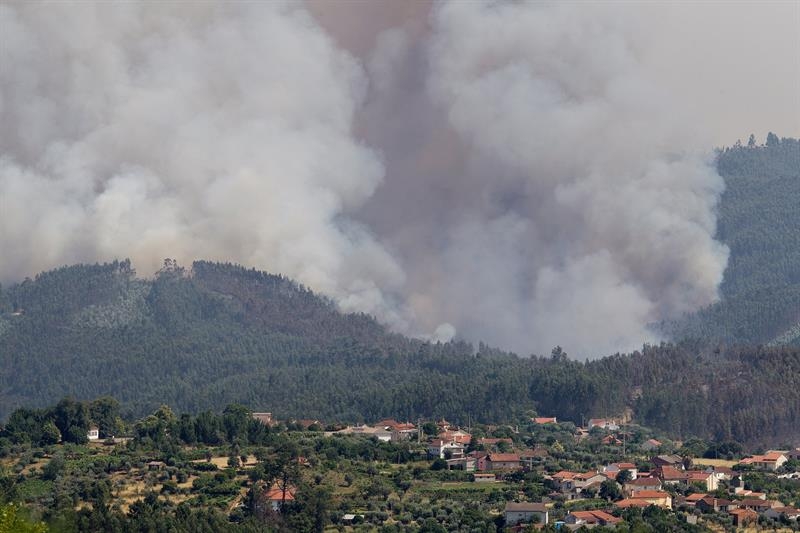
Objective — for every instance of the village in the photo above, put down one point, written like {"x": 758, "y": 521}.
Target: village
{"x": 537, "y": 473}
{"x": 645, "y": 473}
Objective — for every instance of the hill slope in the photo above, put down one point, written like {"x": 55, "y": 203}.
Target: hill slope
{"x": 220, "y": 333}
{"x": 759, "y": 219}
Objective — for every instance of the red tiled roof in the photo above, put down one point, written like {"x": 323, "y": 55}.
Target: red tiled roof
{"x": 503, "y": 457}
{"x": 628, "y": 502}
{"x": 277, "y": 494}
{"x": 642, "y": 494}
{"x": 564, "y": 474}
{"x": 644, "y": 482}
{"x": 695, "y": 497}
{"x": 595, "y": 516}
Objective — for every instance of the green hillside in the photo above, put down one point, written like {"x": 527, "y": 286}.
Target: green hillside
{"x": 759, "y": 219}
{"x": 217, "y": 334}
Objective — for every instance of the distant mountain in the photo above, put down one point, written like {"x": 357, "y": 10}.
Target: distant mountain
{"x": 215, "y": 334}
{"x": 759, "y": 219}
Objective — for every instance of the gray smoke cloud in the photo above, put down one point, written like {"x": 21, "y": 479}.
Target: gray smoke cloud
{"x": 186, "y": 129}
{"x": 510, "y": 172}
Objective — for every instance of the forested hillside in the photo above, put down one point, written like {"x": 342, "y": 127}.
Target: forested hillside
{"x": 217, "y": 334}
{"x": 759, "y": 219}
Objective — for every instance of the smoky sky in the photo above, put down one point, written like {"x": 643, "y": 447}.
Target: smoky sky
{"x": 526, "y": 174}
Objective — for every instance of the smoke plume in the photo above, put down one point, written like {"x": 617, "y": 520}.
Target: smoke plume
{"x": 507, "y": 168}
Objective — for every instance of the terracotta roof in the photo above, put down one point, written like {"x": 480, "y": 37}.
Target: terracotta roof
{"x": 596, "y": 516}
{"x": 628, "y": 502}
{"x": 564, "y": 474}
{"x": 642, "y": 494}
{"x": 644, "y": 482}
{"x": 503, "y": 457}
{"x": 277, "y": 494}
{"x": 695, "y": 497}
{"x": 545, "y": 420}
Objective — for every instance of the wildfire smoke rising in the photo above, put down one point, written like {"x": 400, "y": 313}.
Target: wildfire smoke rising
{"x": 511, "y": 169}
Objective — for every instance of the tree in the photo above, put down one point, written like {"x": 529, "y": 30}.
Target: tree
{"x": 50, "y": 434}
{"x": 624, "y": 476}
{"x": 13, "y": 521}
{"x": 772, "y": 139}
{"x": 104, "y": 412}
{"x": 609, "y": 490}
{"x": 71, "y": 417}
{"x": 751, "y": 142}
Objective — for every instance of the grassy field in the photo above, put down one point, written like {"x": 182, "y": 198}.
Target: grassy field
{"x": 714, "y": 462}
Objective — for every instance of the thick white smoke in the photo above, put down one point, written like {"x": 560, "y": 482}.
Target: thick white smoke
{"x": 505, "y": 167}
{"x": 188, "y": 130}
{"x": 603, "y": 219}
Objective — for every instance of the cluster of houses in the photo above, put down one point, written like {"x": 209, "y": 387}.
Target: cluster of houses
{"x": 490, "y": 459}
{"x": 645, "y": 489}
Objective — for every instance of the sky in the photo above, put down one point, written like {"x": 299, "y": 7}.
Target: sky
{"x": 522, "y": 173}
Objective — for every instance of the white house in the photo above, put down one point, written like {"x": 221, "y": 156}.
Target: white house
{"x": 525, "y": 512}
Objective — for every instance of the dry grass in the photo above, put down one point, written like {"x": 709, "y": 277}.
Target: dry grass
{"x": 714, "y": 462}
{"x": 222, "y": 462}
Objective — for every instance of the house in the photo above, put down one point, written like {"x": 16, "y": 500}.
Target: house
{"x": 757, "y": 504}
{"x": 264, "y": 418}
{"x": 544, "y": 420}
{"x": 438, "y": 448}
{"x": 692, "y": 499}
{"x": 349, "y": 518}
{"x": 772, "y": 460}
{"x": 503, "y": 461}
{"x": 492, "y": 443}
{"x": 93, "y": 433}
{"x": 722, "y": 473}
{"x": 378, "y": 433}
{"x": 401, "y": 431}
{"x": 650, "y": 445}
{"x": 515, "y": 513}
{"x": 306, "y": 423}
{"x": 603, "y": 423}
{"x": 564, "y": 480}
{"x": 277, "y": 496}
{"x": 530, "y": 458}
{"x": 614, "y": 469}
{"x": 704, "y": 479}
{"x": 590, "y": 478}
{"x": 156, "y": 465}
{"x": 654, "y": 497}
{"x": 709, "y": 504}
{"x": 457, "y": 436}
{"x": 628, "y": 502}
{"x": 743, "y": 517}
{"x": 641, "y": 483}
{"x": 484, "y": 478}
{"x": 611, "y": 440}
{"x": 777, "y": 512}
{"x": 673, "y": 460}
{"x": 591, "y": 518}
{"x": 467, "y": 464}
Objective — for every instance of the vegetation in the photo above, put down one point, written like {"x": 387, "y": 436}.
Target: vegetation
{"x": 222, "y": 334}
{"x": 759, "y": 220}
{"x": 217, "y": 334}
{"x": 211, "y": 472}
